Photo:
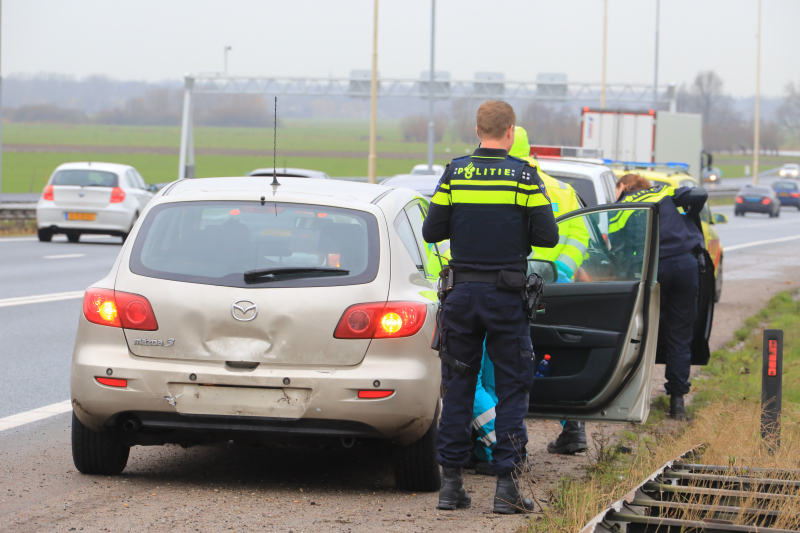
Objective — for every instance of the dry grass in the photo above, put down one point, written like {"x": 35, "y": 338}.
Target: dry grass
{"x": 16, "y": 228}
{"x": 731, "y": 434}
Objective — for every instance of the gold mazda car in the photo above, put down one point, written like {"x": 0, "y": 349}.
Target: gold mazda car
{"x": 243, "y": 311}
{"x": 240, "y": 310}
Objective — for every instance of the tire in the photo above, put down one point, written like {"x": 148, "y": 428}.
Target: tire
{"x": 718, "y": 283}
{"x": 73, "y": 237}
{"x": 98, "y": 454}
{"x": 44, "y": 235}
{"x": 415, "y": 466}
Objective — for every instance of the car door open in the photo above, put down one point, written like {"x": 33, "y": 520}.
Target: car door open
{"x": 600, "y": 328}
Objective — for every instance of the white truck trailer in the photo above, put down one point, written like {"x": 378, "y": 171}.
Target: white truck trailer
{"x": 645, "y": 136}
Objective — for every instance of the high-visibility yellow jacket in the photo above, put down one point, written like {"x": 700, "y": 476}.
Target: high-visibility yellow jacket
{"x": 573, "y": 237}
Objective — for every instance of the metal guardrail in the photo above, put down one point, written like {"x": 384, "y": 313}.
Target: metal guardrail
{"x": 722, "y": 192}
{"x": 18, "y": 211}
{"x": 684, "y": 495}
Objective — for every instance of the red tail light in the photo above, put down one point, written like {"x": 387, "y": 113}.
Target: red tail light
{"x": 112, "y": 382}
{"x": 48, "y": 193}
{"x": 119, "y": 310}
{"x": 381, "y": 321}
{"x": 117, "y": 195}
{"x": 795, "y": 194}
{"x": 739, "y": 199}
{"x": 371, "y": 394}
{"x": 765, "y": 201}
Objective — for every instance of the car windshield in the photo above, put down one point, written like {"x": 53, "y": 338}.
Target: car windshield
{"x": 754, "y": 191}
{"x": 85, "y": 178}
{"x": 785, "y": 186}
{"x": 791, "y": 166}
{"x": 216, "y": 242}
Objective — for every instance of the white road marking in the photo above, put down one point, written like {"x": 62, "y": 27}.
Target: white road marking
{"x": 35, "y": 414}
{"x": 759, "y": 243}
{"x": 18, "y": 239}
{"x": 65, "y": 256}
{"x": 41, "y": 298}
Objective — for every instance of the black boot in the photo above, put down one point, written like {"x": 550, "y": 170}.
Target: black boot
{"x": 676, "y": 407}
{"x": 572, "y": 439}
{"x": 452, "y": 495}
{"x": 507, "y": 499}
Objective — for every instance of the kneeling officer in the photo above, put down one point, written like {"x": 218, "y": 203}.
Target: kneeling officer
{"x": 493, "y": 208}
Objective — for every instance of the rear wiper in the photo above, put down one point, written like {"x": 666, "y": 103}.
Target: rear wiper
{"x": 252, "y": 275}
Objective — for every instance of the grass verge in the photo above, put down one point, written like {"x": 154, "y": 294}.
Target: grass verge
{"x": 17, "y": 228}
{"x": 725, "y": 417}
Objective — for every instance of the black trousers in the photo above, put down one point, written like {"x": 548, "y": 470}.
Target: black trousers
{"x": 474, "y": 312}
{"x": 679, "y": 278}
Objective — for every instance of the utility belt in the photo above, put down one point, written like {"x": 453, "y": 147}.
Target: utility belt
{"x": 530, "y": 289}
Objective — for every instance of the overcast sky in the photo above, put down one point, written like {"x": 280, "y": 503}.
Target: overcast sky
{"x": 162, "y": 39}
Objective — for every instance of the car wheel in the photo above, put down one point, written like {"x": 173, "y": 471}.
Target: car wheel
{"x": 47, "y": 236}
{"x": 718, "y": 282}
{"x": 415, "y": 466}
{"x": 93, "y": 453}
{"x": 73, "y": 237}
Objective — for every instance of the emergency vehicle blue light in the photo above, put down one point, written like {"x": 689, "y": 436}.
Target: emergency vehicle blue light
{"x": 643, "y": 164}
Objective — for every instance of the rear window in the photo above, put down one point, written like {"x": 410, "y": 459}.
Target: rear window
{"x": 85, "y": 178}
{"x": 215, "y": 243}
{"x": 784, "y": 186}
{"x": 583, "y": 186}
{"x": 754, "y": 191}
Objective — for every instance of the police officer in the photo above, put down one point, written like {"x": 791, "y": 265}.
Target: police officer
{"x": 680, "y": 242}
{"x": 493, "y": 208}
{"x": 568, "y": 256}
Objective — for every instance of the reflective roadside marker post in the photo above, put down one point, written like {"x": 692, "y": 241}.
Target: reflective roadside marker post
{"x": 771, "y": 386}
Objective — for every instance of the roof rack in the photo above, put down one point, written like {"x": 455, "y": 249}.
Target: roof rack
{"x": 683, "y": 167}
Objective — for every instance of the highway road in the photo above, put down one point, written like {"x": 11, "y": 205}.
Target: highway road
{"x": 41, "y": 287}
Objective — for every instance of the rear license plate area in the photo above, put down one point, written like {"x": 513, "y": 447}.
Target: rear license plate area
{"x": 208, "y": 399}
{"x": 79, "y": 216}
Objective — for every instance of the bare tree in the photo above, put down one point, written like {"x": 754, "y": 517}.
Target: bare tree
{"x": 546, "y": 124}
{"x": 789, "y": 112}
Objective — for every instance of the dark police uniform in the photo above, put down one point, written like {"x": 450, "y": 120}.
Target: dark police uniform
{"x": 493, "y": 208}
{"x": 678, "y": 273}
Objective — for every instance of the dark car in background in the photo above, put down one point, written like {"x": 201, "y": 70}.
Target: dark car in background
{"x": 751, "y": 199}
{"x": 788, "y": 192}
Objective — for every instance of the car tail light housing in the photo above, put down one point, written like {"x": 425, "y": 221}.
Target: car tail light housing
{"x": 117, "y": 195}
{"x": 47, "y": 194}
{"x": 119, "y": 310}
{"x": 112, "y": 382}
{"x": 739, "y": 200}
{"x": 380, "y": 320}
{"x": 765, "y": 201}
{"x": 795, "y": 194}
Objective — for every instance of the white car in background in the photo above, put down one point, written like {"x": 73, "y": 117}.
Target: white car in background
{"x": 594, "y": 181}
{"x": 423, "y": 170}
{"x": 790, "y": 170}
{"x": 99, "y": 198}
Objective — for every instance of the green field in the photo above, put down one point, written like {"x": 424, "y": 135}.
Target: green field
{"x": 26, "y": 171}
{"x": 732, "y": 166}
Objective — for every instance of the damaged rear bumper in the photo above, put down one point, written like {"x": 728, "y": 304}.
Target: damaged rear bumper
{"x": 184, "y": 401}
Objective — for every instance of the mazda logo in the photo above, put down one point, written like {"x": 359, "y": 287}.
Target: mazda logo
{"x": 241, "y": 308}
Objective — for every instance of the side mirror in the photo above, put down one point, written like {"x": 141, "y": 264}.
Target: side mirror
{"x": 546, "y": 269}
{"x": 152, "y": 188}
{"x": 719, "y": 218}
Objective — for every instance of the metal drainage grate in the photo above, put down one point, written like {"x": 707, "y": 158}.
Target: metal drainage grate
{"x": 684, "y": 496}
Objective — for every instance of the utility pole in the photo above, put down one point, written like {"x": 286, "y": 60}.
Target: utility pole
{"x": 372, "y": 161}
{"x": 757, "y": 127}
{"x": 655, "y": 75}
{"x": 605, "y": 45}
{"x": 431, "y": 124}
{"x": 225, "y": 51}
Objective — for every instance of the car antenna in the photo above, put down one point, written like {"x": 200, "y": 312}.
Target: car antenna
{"x": 275, "y": 148}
